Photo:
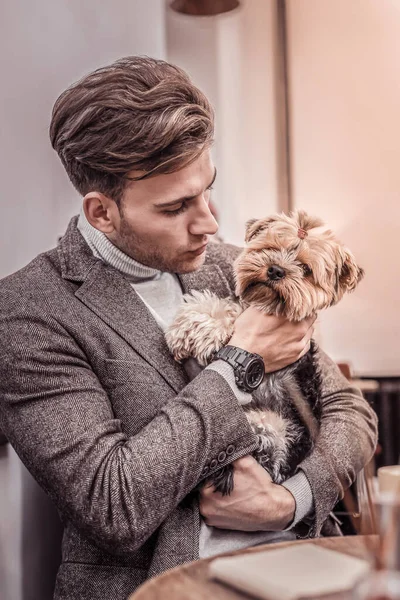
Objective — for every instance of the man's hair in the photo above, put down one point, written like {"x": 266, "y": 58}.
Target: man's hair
{"x": 138, "y": 113}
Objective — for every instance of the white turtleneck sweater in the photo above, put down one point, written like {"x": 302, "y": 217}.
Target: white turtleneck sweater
{"x": 162, "y": 293}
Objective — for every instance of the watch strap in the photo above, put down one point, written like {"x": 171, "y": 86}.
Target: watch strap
{"x": 240, "y": 360}
{"x": 234, "y": 356}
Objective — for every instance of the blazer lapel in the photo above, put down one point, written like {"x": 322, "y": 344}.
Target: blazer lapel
{"x": 209, "y": 277}
{"x": 108, "y": 294}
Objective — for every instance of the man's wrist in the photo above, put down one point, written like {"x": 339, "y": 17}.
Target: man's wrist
{"x": 300, "y": 489}
{"x": 280, "y": 507}
{"x": 248, "y": 367}
{"x": 226, "y": 371}
{"x": 286, "y": 507}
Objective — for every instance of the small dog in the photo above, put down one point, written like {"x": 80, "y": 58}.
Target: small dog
{"x": 292, "y": 266}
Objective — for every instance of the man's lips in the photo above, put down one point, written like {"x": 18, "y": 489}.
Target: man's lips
{"x": 200, "y": 250}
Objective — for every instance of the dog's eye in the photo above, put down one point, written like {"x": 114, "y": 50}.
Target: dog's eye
{"x": 306, "y": 270}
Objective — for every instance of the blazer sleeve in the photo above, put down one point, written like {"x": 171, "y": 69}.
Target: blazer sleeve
{"x": 116, "y": 489}
{"x": 345, "y": 443}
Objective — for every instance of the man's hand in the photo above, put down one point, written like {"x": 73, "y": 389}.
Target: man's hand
{"x": 256, "y": 504}
{"x": 280, "y": 342}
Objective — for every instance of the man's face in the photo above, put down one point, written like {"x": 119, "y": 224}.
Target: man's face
{"x": 165, "y": 221}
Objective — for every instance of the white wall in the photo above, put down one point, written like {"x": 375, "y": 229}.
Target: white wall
{"x": 230, "y": 57}
{"x": 45, "y": 46}
{"x": 345, "y": 99}
{"x": 10, "y": 525}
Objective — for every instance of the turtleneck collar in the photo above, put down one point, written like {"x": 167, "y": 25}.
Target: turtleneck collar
{"x": 105, "y": 250}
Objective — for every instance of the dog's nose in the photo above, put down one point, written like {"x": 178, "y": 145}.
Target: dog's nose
{"x": 275, "y": 273}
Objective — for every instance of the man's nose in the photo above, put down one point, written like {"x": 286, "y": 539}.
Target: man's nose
{"x": 203, "y": 222}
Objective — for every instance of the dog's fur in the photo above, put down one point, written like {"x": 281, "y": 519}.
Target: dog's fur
{"x": 315, "y": 271}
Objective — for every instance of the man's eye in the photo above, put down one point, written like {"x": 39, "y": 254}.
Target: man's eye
{"x": 306, "y": 270}
{"x": 177, "y": 211}
{"x": 183, "y": 206}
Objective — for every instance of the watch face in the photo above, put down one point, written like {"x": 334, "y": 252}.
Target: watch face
{"x": 255, "y": 373}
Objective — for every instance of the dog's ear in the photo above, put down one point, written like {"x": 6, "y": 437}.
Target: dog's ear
{"x": 350, "y": 273}
{"x": 306, "y": 221}
{"x": 255, "y": 226}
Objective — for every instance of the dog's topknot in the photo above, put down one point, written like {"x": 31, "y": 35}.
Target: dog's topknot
{"x": 297, "y": 219}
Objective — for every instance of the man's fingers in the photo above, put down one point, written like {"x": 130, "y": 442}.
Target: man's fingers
{"x": 314, "y": 318}
{"x": 306, "y": 327}
{"x": 309, "y": 322}
{"x": 244, "y": 462}
{"x": 305, "y": 349}
{"x": 207, "y": 490}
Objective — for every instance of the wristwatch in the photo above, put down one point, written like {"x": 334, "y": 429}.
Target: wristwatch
{"x": 249, "y": 368}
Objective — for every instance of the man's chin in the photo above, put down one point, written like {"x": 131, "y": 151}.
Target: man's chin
{"x": 188, "y": 266}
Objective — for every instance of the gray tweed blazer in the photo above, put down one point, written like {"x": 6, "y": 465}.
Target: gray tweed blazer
{"x": 111, "y": 428}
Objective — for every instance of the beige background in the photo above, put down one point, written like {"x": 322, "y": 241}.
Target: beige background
{"x": 345, "y": 99}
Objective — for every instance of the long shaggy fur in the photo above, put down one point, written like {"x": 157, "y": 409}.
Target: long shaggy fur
{"x": 210, "y": 328}
{"x": 315, "y": 271}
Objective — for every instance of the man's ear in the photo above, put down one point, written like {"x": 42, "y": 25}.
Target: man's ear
{"x": 350, "y": 274}
{"x": 100, "y": 211}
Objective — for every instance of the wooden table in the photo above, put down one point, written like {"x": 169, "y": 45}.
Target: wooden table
{"x": 191, "y": 581}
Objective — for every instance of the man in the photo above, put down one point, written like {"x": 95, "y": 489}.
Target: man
{"x": 91, "y": 399}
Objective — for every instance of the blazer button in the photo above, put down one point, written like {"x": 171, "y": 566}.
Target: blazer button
{"x": 230, "y": 450}
{"x": 205, "y": 470}
{"x": 213, "y": 463}
{"x": 221, "y": 456}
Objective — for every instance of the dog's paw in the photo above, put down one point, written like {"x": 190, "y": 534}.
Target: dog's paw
{"x": 222, "y": 480}
{"x": 203, "y": 324}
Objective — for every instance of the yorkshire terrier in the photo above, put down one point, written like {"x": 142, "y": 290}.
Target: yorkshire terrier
{"x": 292, "y": 266}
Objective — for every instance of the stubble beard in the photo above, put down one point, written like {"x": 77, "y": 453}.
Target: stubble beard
{"x": 139, "y": 249}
